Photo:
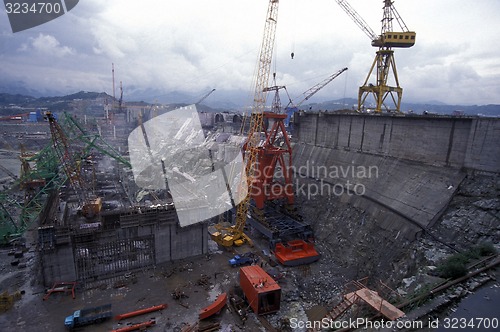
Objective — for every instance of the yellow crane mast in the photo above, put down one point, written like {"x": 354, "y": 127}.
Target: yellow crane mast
{"x": 234, "y": 235}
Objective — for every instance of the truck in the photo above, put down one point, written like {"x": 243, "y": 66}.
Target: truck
{"x": 239, "y": 260}
{"x": 88, "y": 316}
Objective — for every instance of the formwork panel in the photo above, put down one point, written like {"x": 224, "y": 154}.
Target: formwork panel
{"x": 94, "y": 260}
{"x": 58, "y": 265}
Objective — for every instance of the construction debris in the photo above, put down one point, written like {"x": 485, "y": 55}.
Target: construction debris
{"x": 204, "y": 280}
{"x": 7, "y": 300}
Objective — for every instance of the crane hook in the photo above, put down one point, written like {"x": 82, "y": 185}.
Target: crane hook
{"x": 292, "y": 55}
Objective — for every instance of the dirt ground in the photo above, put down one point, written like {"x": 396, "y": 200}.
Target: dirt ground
{"x": 200, "y": 280}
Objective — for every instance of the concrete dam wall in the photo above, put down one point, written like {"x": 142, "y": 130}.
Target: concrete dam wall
{"x": 402, "y": 170}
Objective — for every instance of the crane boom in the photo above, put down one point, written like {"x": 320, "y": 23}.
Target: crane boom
{"x": 257, "y": 118}
{"x": 205, "y": 96}
{"x": 358, "y": 19}
{"x": 8, "y": 172}
{"x": 72, "y": 168}
{"x": 312, "y": 91}
{"x": 234, "y": 235}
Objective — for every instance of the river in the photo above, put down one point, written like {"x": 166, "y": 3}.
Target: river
{"x": 479, "y": 311}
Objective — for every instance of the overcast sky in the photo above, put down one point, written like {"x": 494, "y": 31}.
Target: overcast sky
{"x": 193, "y": 46}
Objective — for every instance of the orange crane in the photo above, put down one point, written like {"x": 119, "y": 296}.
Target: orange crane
{"x": 234, "y": 235}
{"x": 384, "y": 63}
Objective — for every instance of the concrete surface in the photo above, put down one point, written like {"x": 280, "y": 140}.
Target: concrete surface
{"x": 434, "y": 140}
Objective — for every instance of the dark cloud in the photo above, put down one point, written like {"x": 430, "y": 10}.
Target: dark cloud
{"x": 192, "y": 46}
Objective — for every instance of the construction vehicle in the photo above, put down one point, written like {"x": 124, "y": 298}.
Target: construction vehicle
{"x": 73, "y": 158}
{"x": 245, "y": 259}
{"x": 88, "y": 316}
{"x": 234, "y": 235}
{"x": 384, "y": 63}
{"x": 268, "y": 159}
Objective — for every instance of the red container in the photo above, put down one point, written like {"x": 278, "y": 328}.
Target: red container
{"x": 261, "y": 291}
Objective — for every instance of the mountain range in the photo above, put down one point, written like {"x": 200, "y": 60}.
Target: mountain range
{"x": 222, "y": 101}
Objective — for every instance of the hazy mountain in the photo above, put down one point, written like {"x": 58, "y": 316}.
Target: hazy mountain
{"x": 220, "y": 101}
{"x": 154, "y": 96}
{"x": 16, "y": 99}
{"x": 433, "y": 108}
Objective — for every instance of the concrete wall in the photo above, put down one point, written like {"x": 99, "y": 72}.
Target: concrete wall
{"x": 416, "y": 163}
{"x": 58, "y": 265}
{"x": 440, "y": 141}
{"x": 173, "y": 242}
{"x": 483, "y": 145}
{"x": 404, "y": 196}
{"x": 126, "y": 241}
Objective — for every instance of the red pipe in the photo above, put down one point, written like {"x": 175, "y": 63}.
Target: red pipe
{"x": 141, "y": 311}
{"x": 135, "y": 327}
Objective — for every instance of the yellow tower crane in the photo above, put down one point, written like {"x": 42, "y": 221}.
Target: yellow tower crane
{"x": 384, "y": 62}
{"x": 234, "y": 235}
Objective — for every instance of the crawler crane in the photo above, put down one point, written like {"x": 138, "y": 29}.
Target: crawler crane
{"x": 234, "y": 235}
{"x": 268, "y": 152}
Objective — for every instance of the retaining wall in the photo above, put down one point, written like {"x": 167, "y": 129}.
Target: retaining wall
{"x": 402, "y": 170}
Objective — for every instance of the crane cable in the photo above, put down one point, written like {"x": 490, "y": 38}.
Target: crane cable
{"x": 294, "y": 19}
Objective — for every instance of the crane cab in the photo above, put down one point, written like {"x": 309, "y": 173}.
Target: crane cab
{"x": 396, "y": 39}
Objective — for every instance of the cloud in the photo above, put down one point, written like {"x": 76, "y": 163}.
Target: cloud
{"x": 49, "y": 45}
{"x": 190, "y": 46}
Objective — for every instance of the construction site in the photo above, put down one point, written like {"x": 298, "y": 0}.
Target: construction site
{"x": 166, "y": 218}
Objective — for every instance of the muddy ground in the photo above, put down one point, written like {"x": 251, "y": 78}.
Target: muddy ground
{"x": 350, "y": 242}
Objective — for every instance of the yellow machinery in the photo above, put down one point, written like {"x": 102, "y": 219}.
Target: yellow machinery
{"x": 384, "y": 62}
{"x": 234, "y": 235}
